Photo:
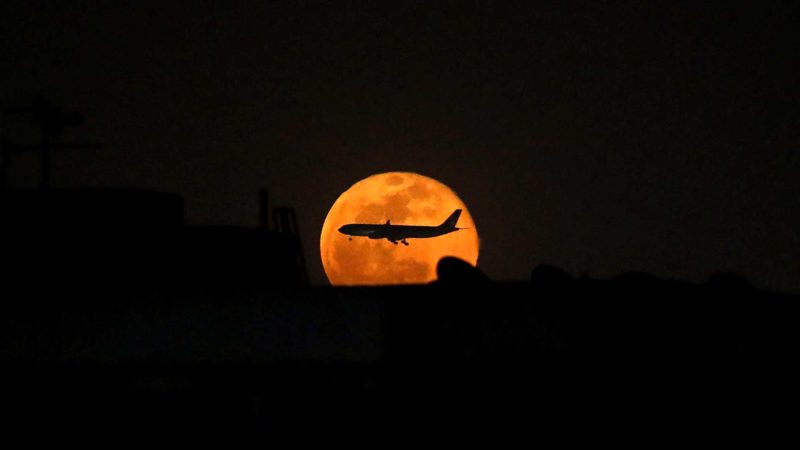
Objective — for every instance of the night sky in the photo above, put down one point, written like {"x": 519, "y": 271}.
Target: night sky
{"x": 602, "y": 138}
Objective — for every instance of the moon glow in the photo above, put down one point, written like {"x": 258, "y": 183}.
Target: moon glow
{"x": 405, "y": 198}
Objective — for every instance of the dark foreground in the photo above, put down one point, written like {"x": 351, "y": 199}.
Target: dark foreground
{"x": 555, "y": 359}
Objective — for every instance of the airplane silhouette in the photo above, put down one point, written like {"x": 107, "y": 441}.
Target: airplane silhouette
{"x": 394, "y": 233}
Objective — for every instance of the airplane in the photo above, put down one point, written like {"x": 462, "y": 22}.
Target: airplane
{"x": 395, "y": 233}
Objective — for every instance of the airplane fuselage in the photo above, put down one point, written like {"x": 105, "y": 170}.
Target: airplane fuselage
{"x": 394, "y": 233}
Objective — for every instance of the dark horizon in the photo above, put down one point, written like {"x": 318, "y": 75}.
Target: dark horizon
{"x": 601, "y": 139}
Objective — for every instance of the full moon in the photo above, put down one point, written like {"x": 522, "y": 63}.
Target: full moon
{"x": 404, "y": 198}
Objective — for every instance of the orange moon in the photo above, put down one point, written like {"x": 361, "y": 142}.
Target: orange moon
{"x": 405, "y": 198}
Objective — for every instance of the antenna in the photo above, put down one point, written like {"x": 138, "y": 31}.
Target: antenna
{"x": 52, "y": 121}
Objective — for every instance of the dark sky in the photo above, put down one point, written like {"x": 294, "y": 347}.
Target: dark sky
{"x": 602, "y": 138}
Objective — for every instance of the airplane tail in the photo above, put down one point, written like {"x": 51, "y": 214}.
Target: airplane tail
{"x": 452, "y": 220}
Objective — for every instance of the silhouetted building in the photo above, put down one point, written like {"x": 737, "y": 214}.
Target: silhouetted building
{"x": 132, "y": 239}
{"x": 117, "y": 317}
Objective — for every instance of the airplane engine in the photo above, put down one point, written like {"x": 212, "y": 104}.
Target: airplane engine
{"x": 375, "y": 236}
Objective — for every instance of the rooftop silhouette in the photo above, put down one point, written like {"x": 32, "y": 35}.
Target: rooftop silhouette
{"x": 110, "y": 292}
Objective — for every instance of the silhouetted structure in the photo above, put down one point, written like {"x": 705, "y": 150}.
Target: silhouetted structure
{"x": 456, "y": 272}
{"x": 130, "y": 237}
{"x": 286, "y": 224}
{"x": 116, "y": 313}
